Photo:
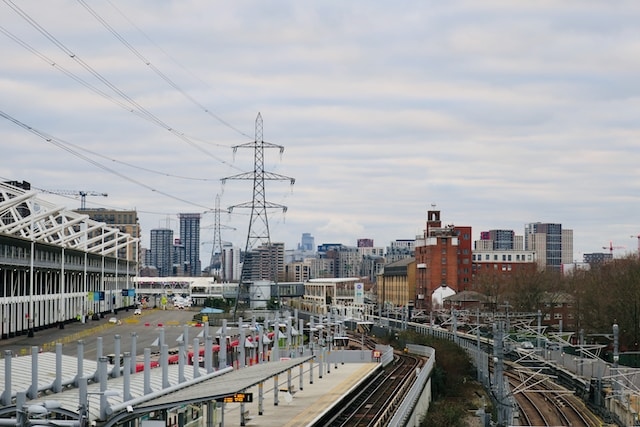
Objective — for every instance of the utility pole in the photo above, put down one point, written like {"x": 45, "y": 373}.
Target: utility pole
{"x": 500, "y": 393}
{"x": 258, "y": 231}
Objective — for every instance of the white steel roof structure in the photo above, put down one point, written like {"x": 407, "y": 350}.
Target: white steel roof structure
{"x": 24, "y": 215}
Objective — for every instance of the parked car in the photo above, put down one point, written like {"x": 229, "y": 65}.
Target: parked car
{"x": 137, "y": 311}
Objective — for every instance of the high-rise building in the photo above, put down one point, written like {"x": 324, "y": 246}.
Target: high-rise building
{"x": 503, "y": 240}
{"x": 162, "y": 251}
{"x": 265, "y": 263}
{"x": 190, "y": 238}
{"x": 180, "y": 265}
{"x": 307, "y": 242}
{"x": 553, "y": 244}
{"x": 231, "y": 264}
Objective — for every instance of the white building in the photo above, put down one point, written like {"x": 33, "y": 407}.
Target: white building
{"x": 321, "y": 295}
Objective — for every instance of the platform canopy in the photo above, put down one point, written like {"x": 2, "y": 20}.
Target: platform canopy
{"x": 24, "y": 215}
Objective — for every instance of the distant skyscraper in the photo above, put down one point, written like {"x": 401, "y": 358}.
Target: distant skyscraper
{"x": 190, "y": 238}
{"x": 307, "y": 242}
{"x": 180, "y": 264}
{"x": 162, "y": 250}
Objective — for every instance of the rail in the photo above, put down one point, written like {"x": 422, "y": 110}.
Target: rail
{"x": 408, "y": 405}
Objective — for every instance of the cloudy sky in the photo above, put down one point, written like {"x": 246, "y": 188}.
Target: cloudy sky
{"x": 498, "y": 112}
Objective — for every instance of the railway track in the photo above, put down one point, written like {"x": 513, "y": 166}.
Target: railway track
{"x": 542, "y": 402}
{"x": 369, "y": 405}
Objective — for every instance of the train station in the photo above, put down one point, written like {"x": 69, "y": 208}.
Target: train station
{"x": 52, "y": 388}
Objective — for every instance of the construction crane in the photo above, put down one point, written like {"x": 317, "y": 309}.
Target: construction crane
{"x": 612, "y": 248}
{"x": 77, "y": 193}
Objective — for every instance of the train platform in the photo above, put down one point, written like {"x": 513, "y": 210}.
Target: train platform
{"x": 301, "y": 407}
{"x": 298, "y": 407}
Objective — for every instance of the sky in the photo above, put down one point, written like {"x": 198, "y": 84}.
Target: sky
{"x": 497, "y": 113}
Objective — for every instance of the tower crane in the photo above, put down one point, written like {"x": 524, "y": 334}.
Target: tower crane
{"x": 77, "y": 193}
{"x": 612, "y": 248}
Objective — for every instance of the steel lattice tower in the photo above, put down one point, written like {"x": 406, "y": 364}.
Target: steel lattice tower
{"x": 258, "y": 233}
{"x": 217, "y": 240}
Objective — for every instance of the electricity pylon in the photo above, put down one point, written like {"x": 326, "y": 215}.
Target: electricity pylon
{"x": 217, "y": 239}
{"x": 258, "y": 232}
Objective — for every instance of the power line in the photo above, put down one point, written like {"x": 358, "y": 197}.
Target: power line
{"x": 148, "y": 63}
{"x": 137, "y": 109}
{"x": 64, "y": 146}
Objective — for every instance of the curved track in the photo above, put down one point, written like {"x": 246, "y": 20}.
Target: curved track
{"x": 368, "y": 405}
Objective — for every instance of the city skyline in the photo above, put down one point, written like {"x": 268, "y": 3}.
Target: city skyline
{"x": 499, "y": 114}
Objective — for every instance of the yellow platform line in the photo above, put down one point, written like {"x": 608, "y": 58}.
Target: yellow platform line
{"x": 322, "y": 404}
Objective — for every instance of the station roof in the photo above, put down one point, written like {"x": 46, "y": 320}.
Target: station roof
{"x": 224, "y": 385}
{"x": 191, "y": 389}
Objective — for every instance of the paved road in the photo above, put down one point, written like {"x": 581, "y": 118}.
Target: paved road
{"x": 147, "y": 326}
